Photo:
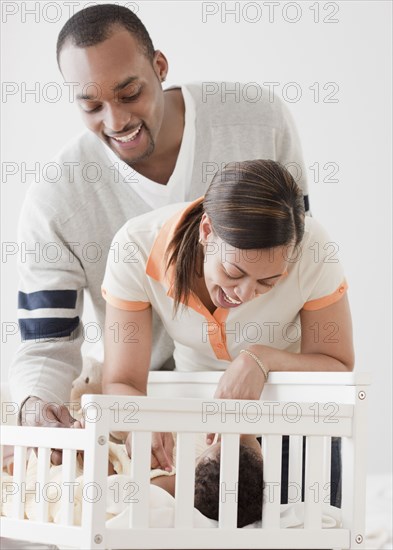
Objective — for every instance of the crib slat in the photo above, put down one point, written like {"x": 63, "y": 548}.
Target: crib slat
{"x": 295, "y": 468}
{"x": 229, "y": 476}
{"x": 327, "y": 454}
{"x": 1, "y": 476}
{"x": 19, "y": 480}
{"x": 67, "y": 497}
{"x": 271, "y": 448}
{"x": 140, "y": 473}
{"x": 42, "y": 479}
{"x": 313, "y": 491}
{"x": 185, "y": 480}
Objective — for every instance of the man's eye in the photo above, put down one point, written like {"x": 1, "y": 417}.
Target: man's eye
{"x": 88, "y": 111}
{"x": 132, "y": 97}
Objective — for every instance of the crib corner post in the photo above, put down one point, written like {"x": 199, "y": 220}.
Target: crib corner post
{"x": 95, "y": 479}
{"x": 354, "y": 488}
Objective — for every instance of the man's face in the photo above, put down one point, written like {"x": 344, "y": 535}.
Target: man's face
{"x": 118, "y": 92}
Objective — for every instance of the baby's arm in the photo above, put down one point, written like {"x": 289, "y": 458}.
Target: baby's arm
{"x": 81, "y": 424}
{"x": 165, "y": 482}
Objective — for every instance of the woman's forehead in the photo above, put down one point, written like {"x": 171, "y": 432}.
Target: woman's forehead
{"x": 252, "y": 261}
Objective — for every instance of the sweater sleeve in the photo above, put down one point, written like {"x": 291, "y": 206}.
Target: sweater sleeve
{"x": 289, "y": 151}
{"x": 50, "y": 304}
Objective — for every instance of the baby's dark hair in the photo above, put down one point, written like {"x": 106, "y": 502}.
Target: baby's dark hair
{"x": 250, "y": 486}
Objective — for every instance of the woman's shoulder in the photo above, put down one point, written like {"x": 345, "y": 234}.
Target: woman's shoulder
{"x": 313, "y": 229}
{"x": 150, "y": 223}
{"x": 318, "y": 250}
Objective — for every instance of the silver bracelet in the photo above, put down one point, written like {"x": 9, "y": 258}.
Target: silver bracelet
{"x": 257, "y": 360}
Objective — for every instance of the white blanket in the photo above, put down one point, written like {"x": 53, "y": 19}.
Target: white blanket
{"x": 162, "y": 511}
{"x": 161, "y": 503}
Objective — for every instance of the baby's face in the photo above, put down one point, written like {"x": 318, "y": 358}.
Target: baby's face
{"x": 211, "y": 452}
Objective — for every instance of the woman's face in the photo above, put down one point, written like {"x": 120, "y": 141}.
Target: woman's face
{"x": 234, "y": 276}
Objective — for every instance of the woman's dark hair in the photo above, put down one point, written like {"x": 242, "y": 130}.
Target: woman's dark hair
{"x": 250, "y": 486}
{"x": 253, "y": 204}
{"x": 95, "y": 24}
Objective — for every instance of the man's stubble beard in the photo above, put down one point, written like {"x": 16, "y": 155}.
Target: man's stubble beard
{"x": 149, "y": 151}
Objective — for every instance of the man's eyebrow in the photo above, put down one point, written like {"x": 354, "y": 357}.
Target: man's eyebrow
{"x": 120, "y": 86}
{"x": 244, "y": 273}
{"x": 124, "y": 83}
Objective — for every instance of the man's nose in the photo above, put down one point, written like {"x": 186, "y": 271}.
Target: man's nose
{"x": 116, "y": 118}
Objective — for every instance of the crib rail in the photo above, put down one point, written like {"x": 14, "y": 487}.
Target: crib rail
{"x": 232, "y": 539}
{"x": 317, "y": 420}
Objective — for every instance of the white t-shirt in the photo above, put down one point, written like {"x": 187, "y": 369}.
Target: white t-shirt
{"x": 205, "y": 341}
{"x": 155, "y": 194}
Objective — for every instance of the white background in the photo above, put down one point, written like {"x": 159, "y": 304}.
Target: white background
{"x": 354, "y": 133}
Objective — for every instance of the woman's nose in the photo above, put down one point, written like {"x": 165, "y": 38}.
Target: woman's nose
{"x": 245, "y": 292}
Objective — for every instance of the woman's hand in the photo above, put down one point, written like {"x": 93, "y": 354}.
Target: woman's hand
{"x": 243, "y": 379}
{"x": 161, "y": 450}
{"x": 162, "y": 445}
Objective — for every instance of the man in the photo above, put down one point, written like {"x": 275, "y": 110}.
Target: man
{"x": 145, "y": 148}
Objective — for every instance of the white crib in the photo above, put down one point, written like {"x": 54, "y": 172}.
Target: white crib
{"x": 315, "y": 405}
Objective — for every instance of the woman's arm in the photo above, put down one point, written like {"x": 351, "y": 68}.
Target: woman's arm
{"x": 127, "y": 351}
{"x": 127, "y": 345}
{"x": 326, "y": 342}
{"x": 326, "y": 345}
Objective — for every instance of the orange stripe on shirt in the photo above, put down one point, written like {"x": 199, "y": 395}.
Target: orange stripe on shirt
{"x": 124, "y": 304}
{"x": 325, "y": 301}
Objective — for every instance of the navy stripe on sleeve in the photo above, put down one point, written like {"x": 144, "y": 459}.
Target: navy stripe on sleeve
{"x": 47, "y": 299}
{"x": 51, "y": 327}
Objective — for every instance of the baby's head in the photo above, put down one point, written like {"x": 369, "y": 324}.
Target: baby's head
{"x": 250, "y": 483}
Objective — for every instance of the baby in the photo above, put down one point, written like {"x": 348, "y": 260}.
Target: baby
{"x": 250, "y": 482}
{"x": 207, "y": 477}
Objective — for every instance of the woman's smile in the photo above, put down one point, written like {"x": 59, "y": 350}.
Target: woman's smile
{"x": 226, "y": 301}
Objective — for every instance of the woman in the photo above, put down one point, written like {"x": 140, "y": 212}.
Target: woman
{"x": 242, "y": 281}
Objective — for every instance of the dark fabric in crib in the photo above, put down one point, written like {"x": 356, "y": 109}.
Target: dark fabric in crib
{"x": 335, "y": 471}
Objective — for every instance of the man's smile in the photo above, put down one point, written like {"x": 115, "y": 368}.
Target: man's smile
{"x": 128, "y": 137}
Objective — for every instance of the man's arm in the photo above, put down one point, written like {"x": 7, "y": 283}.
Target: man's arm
{"x": 50, "y": 304}
{"x": 289, "y": 151}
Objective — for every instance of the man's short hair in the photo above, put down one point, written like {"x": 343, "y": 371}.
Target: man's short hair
{"x": 250, "y": 486}
{"x": 95, "y": 24}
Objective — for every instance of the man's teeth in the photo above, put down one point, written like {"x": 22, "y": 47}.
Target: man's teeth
{"x": 130, "y": 137}
{"x": 231, "y": 300}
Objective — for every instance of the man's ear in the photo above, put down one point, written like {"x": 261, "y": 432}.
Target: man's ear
{"x": 160, "y": 65}
{"x": 205, "y": 228}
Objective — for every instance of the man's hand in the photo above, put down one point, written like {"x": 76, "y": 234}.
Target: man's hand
{"x": 161, "y": 450}
{"x": 36, "y": 412}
